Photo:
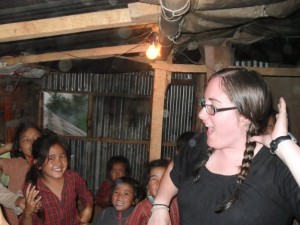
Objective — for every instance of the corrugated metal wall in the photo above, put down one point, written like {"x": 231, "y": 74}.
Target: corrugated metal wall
{"x": 121, "y": 117}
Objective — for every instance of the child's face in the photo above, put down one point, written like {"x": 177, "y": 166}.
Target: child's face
{"x": 56, "y": 163}
{"x": 117, "y": 171}
{"x": 122, "y": 197}
{"x": 154, "y": 180}
{"x": 26, "y": 140}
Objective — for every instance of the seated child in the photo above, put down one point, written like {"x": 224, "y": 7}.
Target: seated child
{"x": 117, "y": 166}
{"x": 142, "y": 211}
{"x": 50, "y": 182}
{"x": 126, "y": 193}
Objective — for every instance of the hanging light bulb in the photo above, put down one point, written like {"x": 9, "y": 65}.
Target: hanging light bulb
{"x": 153, "y": 49}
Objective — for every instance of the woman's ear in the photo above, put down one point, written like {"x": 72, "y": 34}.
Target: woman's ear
{"x": 244, "y": 122}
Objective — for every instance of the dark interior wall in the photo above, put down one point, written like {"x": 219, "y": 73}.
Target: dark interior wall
{"x": 289, "y": 89}
{"x": 24, "y": 99}
{"x": 18, "y": 102}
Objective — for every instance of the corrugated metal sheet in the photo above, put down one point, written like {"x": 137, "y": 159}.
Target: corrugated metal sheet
{"x": 90, "y": 158}
{"x": 121, "y": 110}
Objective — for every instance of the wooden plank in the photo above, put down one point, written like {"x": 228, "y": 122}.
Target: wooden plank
{"x": 183, "y": 68}
{"x": 275, "y": 72}
{"x": 144, "y": 12}
{"x": 180, "y": 68}
{"x": 77, "y": 54}
{"x": 67, "y": 25}
{"x": 161, "y": 81}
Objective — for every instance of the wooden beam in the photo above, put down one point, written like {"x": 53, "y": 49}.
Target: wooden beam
{"x": 217, "y": 58}
{"x": 161, "y": 81}
{"x": 144, "y": 12}
{"x": 78, "y": 23}
{"x": 184, "y": 68}
{"x": 180, "y": 68}
{"x": 93, "y": 53}
{"x": 275, "y": 72}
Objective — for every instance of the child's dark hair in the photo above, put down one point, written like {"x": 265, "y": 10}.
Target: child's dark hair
{"x": 15, "y": 152}
{"x": 154, "y": 164}
{"x": 138, "y": 190}
{"x": 40, "y": 152}
{"x": 118, "y": 159}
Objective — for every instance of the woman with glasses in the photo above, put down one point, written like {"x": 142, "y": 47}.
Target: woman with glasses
{"x": 232, "y": 175}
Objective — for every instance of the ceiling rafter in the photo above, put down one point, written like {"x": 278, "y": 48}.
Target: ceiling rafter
{"x": 92, "y": 53}
{"x": 135, "y": 14}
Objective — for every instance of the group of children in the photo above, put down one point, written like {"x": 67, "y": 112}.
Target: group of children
{"x": 127, "y": 204}
{"x": 39, "y": 169}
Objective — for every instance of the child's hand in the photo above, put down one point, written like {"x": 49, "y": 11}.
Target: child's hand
{"x": 86, "y": 215}
{"x": 20, "y": 202}
{"x": 32, "y": 201}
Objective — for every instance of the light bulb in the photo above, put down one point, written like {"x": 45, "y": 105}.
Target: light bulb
{"x": 152, "y": 51}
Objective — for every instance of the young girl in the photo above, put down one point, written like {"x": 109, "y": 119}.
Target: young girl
{"x": 17, "y": 166}
{"x": 142, "y": 211}
{"x": 126, "y": 193}
{"x": 50, "y": 182}
{"x": 117, "y": 166}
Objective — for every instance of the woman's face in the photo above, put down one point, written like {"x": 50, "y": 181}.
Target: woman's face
{"x": 224, "y": 129}
{"x": 26, "y": 140}
{"x": 122, "y": 197}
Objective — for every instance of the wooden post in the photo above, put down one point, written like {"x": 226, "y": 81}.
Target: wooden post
{"x": 162, "y": 79}
{"x": 217, "y": 58}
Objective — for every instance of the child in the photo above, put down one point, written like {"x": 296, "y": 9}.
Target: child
{"x": 126, "y": 193}
{"x": 17, "y": 166}
{"x": 50, "y": 182}
{"x": 117, "y": 166}
{"x": 142, "y": 211}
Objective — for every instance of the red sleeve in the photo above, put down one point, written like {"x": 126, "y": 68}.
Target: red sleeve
{"x": 174, "y": 212}
{"x": 141, "y": 214}
{"x": 102, "y": 197}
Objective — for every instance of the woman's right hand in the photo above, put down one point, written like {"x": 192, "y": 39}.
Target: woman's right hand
{"x": 160, "y": 217}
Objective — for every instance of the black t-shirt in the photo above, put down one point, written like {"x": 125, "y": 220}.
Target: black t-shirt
{"x": 268, "y": 196}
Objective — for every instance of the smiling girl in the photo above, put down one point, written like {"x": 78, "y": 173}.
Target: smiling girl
{"x": 51, "y": 182}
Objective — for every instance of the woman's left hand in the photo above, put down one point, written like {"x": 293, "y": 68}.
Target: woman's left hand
{"x": 280, "y": 128}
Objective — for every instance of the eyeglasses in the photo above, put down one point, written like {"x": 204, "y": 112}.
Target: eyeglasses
{"x": 211, "y": 109}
